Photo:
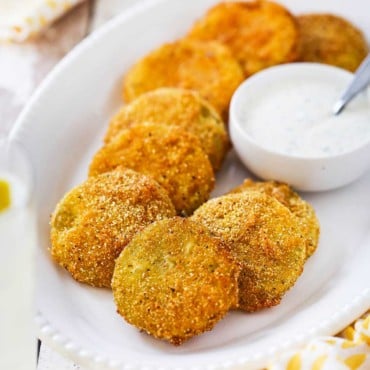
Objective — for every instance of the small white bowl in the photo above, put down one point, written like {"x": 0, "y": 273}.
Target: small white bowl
{"x": 303, "y": 173}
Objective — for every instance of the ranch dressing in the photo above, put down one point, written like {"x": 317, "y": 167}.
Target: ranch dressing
{"x": 294, "y": 117}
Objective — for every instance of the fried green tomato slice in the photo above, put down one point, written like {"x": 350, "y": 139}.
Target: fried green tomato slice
{"x": 258, "y": 33}
{"x": 289, "y": 198}
{"x": 174, "y": 280}
{"x": 172, "y": 156}
{"x": 96, "y": 220}
{"x": 206, "y": 67}
{"x": 176, "y": 107}
{"x": 264, "y": 237}
{"x": 326, "y": 38}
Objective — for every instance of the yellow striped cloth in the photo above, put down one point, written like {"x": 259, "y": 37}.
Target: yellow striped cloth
{"x": 22, "y": 19}
{"x": 350, "y": 350}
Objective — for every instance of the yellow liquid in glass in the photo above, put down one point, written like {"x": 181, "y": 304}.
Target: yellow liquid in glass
{"x": 4, "y": 195}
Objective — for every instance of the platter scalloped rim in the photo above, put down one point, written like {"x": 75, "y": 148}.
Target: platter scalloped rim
{"x": 56, "y": 340}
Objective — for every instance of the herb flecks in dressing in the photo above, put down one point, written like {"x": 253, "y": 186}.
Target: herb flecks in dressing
{"x": 294, "y": 117}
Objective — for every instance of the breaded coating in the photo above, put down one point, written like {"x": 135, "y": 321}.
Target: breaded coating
{"x": 177, "y": 107}
{"x": 327, "y": 38}
{"x": 96, "y": 220}
{"x": 172, "y": 156}
{"x": 264, "y": 237}
{"x": 260, "y": 34}
{"x": 289, "y": 198}
{"x": 206, "y": 67}
{"x": 174, "y": 280}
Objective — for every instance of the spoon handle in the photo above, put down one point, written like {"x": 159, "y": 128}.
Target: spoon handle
{"x": 360, "y": 81}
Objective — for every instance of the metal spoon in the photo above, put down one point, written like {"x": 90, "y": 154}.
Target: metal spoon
{"x": 360, "y": 81}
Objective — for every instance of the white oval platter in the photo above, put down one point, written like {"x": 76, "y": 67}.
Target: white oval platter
{"x": 62, "y": 127}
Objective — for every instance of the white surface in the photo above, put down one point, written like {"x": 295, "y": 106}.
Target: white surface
{"x": 17, "y": 336}
{"x": 22, "y": 66}
{"x": 52, "y": 360}
{"x": 63, "y": 126}
{"x": 17, "y": 290}
{"x": 269, "y": 103}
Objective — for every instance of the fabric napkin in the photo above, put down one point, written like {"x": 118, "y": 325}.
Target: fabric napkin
{"x": 350, "y": 350}
{"x": 22, "y": 19}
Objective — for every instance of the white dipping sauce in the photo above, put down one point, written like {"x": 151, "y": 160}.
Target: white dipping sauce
{"x": 294, "y": 117}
